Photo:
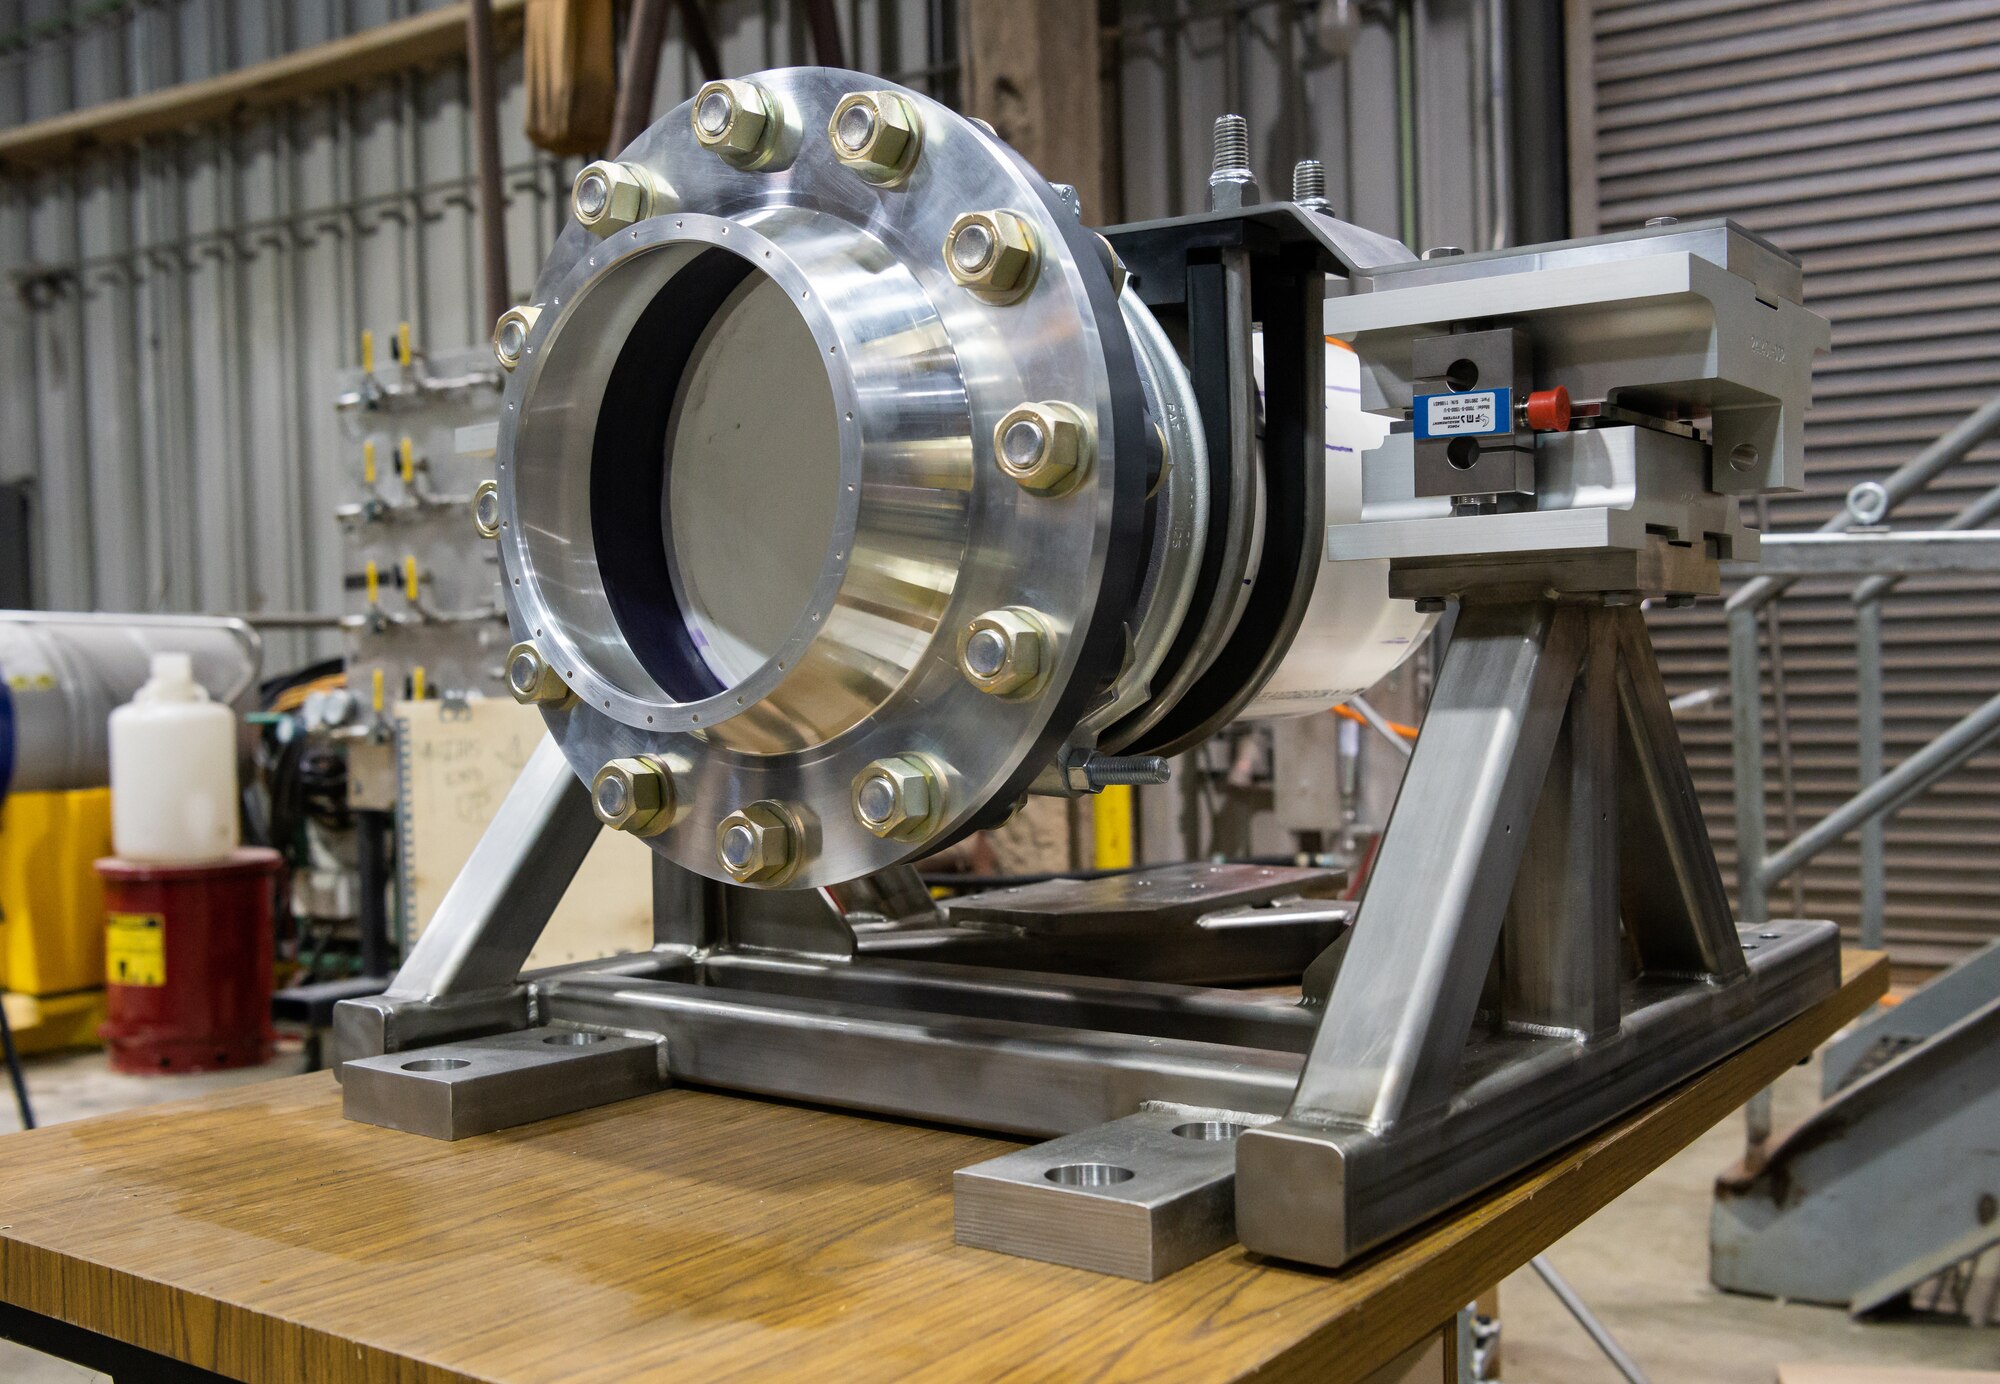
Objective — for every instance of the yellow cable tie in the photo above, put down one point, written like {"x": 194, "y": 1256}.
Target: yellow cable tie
{"x": 417, "y": 683}
{"x": 367, "y": 351}
{"x": 378, "y": 691}
{"x": 409, "y": 455}
{"x": 368, "y": 462}
{"x": 410, "y": 578}
{"x": 374, "y": 582}
{"x": 403, "y": 344}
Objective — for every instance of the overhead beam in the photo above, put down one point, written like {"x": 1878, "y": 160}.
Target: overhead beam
{"x": 423, "y": 38}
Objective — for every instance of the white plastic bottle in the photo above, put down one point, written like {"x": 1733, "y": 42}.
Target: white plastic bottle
{"x": 173, "y": 770}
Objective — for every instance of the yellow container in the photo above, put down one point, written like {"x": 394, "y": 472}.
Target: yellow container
{"x": 51, "y": 903}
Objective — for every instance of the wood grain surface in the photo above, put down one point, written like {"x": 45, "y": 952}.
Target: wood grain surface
{"x": 694, "y": 1235}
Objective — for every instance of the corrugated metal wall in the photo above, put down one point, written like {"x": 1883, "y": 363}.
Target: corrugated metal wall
{"x": 174, "y": 315}
{"x": 1864, "y": 136}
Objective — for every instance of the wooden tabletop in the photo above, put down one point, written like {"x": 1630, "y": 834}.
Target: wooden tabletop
{"x": 692, "y": 1235}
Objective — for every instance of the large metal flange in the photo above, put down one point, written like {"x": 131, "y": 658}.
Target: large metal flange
{"x": 924, "y": 531}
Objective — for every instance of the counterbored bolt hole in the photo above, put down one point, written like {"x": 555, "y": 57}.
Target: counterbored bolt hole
{"x": 1461, "y": 375}
{"x": 441, "y": 1064}
{"x": 1768, "y": 936}
{"x": 1209, "y": 1130}
{"x": 1462, "y": 453}
{"x": 1089, "y": 1175}
{"x": 1743, "y": 456}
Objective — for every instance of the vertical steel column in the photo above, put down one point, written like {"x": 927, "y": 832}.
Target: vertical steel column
{"x": 1396, "y": 1022}
{"x": 1868, "y": 736}
{"x": 484, "y": 99}
{"x": 1560, "y": 950}
{"x": 1746, "y": 713}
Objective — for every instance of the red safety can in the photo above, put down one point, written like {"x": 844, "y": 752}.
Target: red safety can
{"x": 187, "y": 962}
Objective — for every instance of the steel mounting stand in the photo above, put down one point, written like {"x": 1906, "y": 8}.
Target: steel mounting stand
{"x": 1487, "y": 1007}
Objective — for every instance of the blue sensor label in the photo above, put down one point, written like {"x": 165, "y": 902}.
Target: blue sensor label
{"x": 1479, "y": 414}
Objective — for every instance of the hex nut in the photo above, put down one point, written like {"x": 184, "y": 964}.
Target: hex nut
{"x": 635, "y": 795}
{"x": 486, "y": 509}
{"x": 607, "y": 196}
{"x": 533, "y": 682}
{"x": 756, "y": 844}
{"x": 878, "y": 134}
{"x": 510, "y": 334}
{"x": 992, "y": 254}
{"x": 1045, "y": 447}
{"x": 1005, "y": 652}
{"x": 737, "y": 121}
{"x": 900, "y": 798}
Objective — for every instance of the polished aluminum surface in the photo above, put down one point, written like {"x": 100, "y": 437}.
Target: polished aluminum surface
{"x": 848, "y": 654}
{"x": 1138, "y": 1197}
{"x": 457, "y": 1090}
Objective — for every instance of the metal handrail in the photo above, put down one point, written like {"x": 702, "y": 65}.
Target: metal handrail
{"x": 1871, "y": 502}
{"x": 1882, "y": 560}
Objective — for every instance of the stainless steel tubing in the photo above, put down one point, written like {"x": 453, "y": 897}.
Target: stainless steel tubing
{"x": 1587, "y": 1319}
{"x": 1911, "y": 777}
{"x": 61, "y": 675}
{"x": 1912, "y": 476}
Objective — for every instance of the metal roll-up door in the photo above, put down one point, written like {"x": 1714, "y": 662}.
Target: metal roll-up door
{"x": 1864, "y": 137}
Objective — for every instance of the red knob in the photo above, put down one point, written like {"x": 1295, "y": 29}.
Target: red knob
{"x": 1548, "y": 410}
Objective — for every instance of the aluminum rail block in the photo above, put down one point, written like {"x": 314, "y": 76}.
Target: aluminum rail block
{"x": 456, "y": 1090}
{"x": 1138, "y": 1197}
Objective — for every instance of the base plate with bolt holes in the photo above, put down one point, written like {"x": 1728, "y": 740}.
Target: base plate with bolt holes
{"x": 1139, "y": 1197}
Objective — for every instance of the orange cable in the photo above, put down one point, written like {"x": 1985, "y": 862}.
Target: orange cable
{"x": 1407, "y": 732}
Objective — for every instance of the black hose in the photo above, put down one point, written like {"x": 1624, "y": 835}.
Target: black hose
{"x": 14, "y": 1070}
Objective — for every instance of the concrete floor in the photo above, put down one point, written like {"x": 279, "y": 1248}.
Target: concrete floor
{"x": 1641, "y": 1263}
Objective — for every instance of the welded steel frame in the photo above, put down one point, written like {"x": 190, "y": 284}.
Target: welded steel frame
{"x": 1489, "y": 1011}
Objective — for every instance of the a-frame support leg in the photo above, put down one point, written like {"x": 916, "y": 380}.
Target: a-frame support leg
{"x": 1547, "y": 795}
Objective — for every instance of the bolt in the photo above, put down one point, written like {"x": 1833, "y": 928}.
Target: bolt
{"x": 1429, "y": 605}
{"x": 1868, "y": 502}
{"x": 510, "y": 334}
{"x": 1621, "y": 598}
{"x": 1309, "y": 184}
{"x": 1231, "y": 184}
{"x": 737, "y": 121}
{"x": 1130, "y": 770}
{"x": 755, "y": 844}
{"x": 992, "y": 253}
{"x": 533, "y": 682}
{"x": 1005, "y": 652}
{"x": 1046, "y": 447}
{"x": 1663, "y": 221}
{"x": 1443, "y": 252}
{"x": 607, "y": 197}
{"x": 635, "y": 795}
{"x": 1679, "y": 600}
{"x": 1066, "y": 193}
{"x": 877, "y": 134}
{"x": 486, "y": 509}
{"x": 900, "y": 797}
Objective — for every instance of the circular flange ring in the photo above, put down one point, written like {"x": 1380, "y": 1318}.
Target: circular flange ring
{"x": 926, "y": 369}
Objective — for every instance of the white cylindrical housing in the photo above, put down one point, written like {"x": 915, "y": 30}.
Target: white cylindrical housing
{"x": 173, "y": 770}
